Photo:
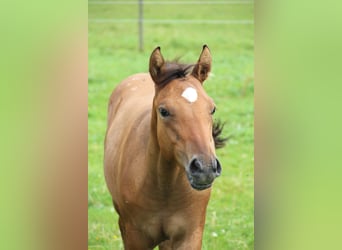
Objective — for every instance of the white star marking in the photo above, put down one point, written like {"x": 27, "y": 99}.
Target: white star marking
{"x": 190, "y": 94}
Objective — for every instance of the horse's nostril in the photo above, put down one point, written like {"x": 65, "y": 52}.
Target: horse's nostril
{"x": 195, "y": 166}
{"x": 218, "y": 168}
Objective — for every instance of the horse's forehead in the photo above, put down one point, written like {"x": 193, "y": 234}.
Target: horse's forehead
{"x": 184, "y": 91}
{"x": 192, "y": 92}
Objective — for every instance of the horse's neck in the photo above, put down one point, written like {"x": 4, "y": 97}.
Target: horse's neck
{"x": 165, "y": 176}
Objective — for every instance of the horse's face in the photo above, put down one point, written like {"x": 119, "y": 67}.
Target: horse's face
{"x": 184, "y": 122}
{"x": 184, "y": 130}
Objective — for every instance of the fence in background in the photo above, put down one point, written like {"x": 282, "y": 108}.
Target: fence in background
{"x": 172, "y": 2}
{"x": 141, "y": 19}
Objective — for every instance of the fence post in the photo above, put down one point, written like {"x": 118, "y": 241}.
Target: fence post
{"x": 141, "y": 31}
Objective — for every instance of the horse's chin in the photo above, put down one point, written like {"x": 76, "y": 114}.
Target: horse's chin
{"x": 200, "y": 187}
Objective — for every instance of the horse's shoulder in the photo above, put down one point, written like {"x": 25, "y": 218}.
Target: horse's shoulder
{"x": 132, "y": 95}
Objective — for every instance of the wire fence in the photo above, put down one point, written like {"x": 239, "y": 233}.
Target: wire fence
{"x": 171, "y": 2}
{"x": 171, "y": 21}
{"x": 141, "y": 3}
{"x": 141, "y": 20}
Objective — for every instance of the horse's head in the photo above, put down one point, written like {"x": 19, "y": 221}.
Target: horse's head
{"x": 183, "y": 117}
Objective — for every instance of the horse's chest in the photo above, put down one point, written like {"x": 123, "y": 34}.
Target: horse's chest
{"x": 161, "y": 220}
{"x": 160, "y": 223}
{"x": 175, "y": 225}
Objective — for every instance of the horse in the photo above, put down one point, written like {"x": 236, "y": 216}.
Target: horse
{"x": 159, "y": 153}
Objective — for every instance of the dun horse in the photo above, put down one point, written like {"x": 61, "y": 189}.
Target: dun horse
{"x": 160, "y": 160}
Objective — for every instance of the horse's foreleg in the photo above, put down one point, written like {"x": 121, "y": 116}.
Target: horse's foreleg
{"x": 134, "y": 239}
{"x": 190, "y": 241}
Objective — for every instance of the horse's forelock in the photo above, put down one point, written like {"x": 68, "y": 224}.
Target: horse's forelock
{"x": 173, "y": 70}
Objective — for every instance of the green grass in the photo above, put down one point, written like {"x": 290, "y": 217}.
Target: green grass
{"x": 114, "y": 55}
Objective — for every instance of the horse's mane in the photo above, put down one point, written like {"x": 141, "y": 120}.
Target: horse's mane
{"x": 220, "y": 141}
{"x": 174, "y": 70}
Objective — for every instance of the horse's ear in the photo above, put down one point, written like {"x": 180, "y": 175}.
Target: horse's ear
{"x": 203, "y": 66}
{"x": 156, "y": 63}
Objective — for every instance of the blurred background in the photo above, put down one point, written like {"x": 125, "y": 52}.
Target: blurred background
{"x": 119, "y": 46}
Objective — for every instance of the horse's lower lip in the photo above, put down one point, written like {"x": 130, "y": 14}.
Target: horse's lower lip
{"x": 200, "y": 187}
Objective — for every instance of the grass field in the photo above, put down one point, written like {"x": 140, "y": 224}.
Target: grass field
{"x": 114, "y": 55}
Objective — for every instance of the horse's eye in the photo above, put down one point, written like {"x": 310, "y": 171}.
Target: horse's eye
{"x": 213, "y": 111}
{"x": 163, "y": 112}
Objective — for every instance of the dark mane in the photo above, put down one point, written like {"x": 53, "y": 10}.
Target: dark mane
{"x": 174, "y": 70}
{"x": 220, "y": 142}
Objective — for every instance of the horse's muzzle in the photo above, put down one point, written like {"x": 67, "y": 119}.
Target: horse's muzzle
{"x": 201, "y": 174}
